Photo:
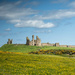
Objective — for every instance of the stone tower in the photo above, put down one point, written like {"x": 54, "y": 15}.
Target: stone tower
{"x": 57, "y": 44}
{"x": 32, "y": 40}
{"x": 27, "y": 41}
{"x": 38, "y": 41}
{"x": 9, "y": 41}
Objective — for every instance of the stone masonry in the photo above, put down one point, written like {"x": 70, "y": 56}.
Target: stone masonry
{"x": 9, "y": 41}
{"x": 33, "y": 42}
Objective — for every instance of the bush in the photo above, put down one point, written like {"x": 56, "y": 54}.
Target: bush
{"x": 57, "y": 52}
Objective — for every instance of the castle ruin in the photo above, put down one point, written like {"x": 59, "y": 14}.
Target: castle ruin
{"x": 37, "y": 42}
{"x": 33, "y": 42}
{"x": 9, "y": 41}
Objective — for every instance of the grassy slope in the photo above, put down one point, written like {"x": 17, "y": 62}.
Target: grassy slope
{"x": 26, "y": 49}
{"x": 13, "y": 64}
{"x": 19, "y": 64}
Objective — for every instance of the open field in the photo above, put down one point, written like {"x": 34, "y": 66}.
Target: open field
{"x": 27, "y": 64}
{"x": 26, "y": 49}
{"x": 15, "y": 60}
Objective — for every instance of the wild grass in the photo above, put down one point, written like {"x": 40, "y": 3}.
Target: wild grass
{"x": 14, "y": 60}
{"x": 27, "y": 64}
{"x": 26, "y": 49}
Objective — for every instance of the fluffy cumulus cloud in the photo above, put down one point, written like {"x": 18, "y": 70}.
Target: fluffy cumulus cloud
{"x": 14, "y": 21}
{"x": 13, "y": 11}
{"x": 21, "y": 17}
{"x": 7, "y": 12}
{"x": 27, "y": 17}
{"x": 34, "y": 23}
{"x": 60, "y": 14}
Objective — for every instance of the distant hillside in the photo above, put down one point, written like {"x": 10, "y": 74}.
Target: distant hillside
{"x": 26, "y": 49}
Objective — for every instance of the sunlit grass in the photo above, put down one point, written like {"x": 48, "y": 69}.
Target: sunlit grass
{"x": 14, "y": 60}
{"x": 26, "y": 49}
{"x": 27, "y": 64}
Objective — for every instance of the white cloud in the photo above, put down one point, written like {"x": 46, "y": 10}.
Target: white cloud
{"x": 42, "y": 31}
{"x": 19, "y": 13}
{"x": 34, "y": 23}
{"x": 27, "y": 17}
{"x": 59, "y": 1}
{"x": 8, "y": 29}
{"x": 72, "y": 4}
{"x": 18, "y": 2}
{"x": 60, "y": 14}
{"x": 11, "y": 11}
{"x": 14, "y": 21}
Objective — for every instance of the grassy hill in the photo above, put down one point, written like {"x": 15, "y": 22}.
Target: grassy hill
{"x": 26, "y": 49}
{"x": 27, "y": 64}
{"x": 14, "y": 60}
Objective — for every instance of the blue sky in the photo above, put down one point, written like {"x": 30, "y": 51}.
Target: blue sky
{"x": 52, "y": 20}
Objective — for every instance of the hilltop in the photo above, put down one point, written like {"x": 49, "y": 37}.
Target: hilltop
{"x": 37, "y": 42}
{"x": 26, "y": 48}
{"x": 14, "y": 59}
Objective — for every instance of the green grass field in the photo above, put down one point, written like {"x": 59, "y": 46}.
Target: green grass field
{"x": 26, "y": 49}
{"x": 14, "y": 60}
{"x": 25, "y": 64}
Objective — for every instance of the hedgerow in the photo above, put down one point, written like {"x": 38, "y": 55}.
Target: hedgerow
{"x": 56, "y": 52}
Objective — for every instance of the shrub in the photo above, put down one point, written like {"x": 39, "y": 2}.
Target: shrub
{"x": 57, "y": 52}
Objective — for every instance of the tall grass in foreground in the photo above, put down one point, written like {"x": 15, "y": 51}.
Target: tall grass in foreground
{"x": 25, "y": 64}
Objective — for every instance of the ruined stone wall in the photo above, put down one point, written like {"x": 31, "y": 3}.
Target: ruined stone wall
{"x": 32, "y": 40}
{"x": 30, "y": 43}
{"x": 47, "y": 44}
{"x": 57, "y": 44}
{"x": 27, "y": 41}
{"x": 71, "y": 46}
{"x": 63, "y": 46}
{"x": 38, "y": 41}
{"x": 52, "y": 44}
{"x": 9, "y": 41}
